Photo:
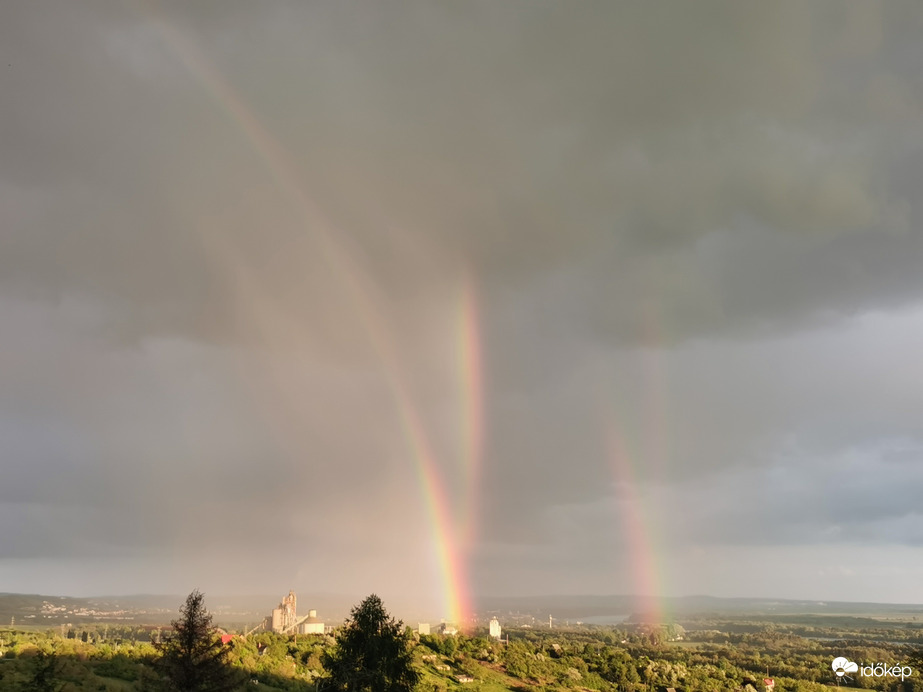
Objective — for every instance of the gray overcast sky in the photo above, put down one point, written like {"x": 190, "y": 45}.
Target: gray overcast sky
{"x": 252, "y": 254}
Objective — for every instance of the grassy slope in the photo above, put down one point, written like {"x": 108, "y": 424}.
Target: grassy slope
{"x": 487, "y": 677}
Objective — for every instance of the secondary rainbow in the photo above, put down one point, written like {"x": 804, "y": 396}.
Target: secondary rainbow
{"x": 636, "y": 528}
{"x": 446, "y": 539}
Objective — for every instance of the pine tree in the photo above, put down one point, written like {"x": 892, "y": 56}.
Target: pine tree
{"x": 371, "y": 653}
{"x": 45, "y": 667}
{"x": 193, "y": 659}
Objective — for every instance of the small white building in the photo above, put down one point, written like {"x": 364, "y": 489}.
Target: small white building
{"x": 311, "y": 624}
{"x": 422, "y": 628}
{"x": 495, "y": 628}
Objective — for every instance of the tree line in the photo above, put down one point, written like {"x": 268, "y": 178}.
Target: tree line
{"x": 373, "y": 652}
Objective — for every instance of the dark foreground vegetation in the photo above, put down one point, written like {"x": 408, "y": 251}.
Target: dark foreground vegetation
{"x": 373, "y": 652}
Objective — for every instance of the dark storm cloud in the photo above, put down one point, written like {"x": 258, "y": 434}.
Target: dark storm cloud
{"x": 523, "y": 138}
{"x": 694, "y": 227}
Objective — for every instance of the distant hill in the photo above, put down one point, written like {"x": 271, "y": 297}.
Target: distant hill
{"x": 45, "y": 611}
{"x": 152, "y": 609}
{"x": 594, "y": 606}
{"x": 36, "y": 610}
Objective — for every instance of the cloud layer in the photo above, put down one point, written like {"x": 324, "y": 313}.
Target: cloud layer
{"x": 235, "y": 239}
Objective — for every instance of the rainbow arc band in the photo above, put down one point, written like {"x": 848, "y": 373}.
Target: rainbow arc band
{"x": 452, "y": 535}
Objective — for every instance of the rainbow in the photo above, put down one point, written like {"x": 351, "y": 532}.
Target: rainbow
{"x": 450, "y": 555}
{"x": 451, "y": 544}
{"x": 636, "y": 528}
{"x": 637, "y": 524}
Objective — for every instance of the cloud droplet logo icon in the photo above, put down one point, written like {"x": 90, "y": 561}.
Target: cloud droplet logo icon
{"x": 842, "y": 665}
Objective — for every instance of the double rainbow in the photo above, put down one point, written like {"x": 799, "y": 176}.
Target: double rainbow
{"x": 452, "y": 517}
{"x": 453, "y": 533}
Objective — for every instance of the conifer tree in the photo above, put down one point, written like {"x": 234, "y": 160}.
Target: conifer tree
{"x": 193, "y": 659}
{"x": 372, "y": 653}
{"x": 44, "y": 673}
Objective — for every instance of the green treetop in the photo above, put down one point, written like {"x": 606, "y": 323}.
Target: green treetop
{"x": 193, "y": 658}
{"x": 372, "y": 653}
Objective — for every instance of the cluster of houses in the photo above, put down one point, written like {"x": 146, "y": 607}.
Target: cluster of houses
{"x": 449, "y": 629}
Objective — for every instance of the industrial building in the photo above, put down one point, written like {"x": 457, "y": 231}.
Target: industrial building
{"x": 284, "y": 616}
{"x": 284, "y": 619}
{"x": 311, "y": 624}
